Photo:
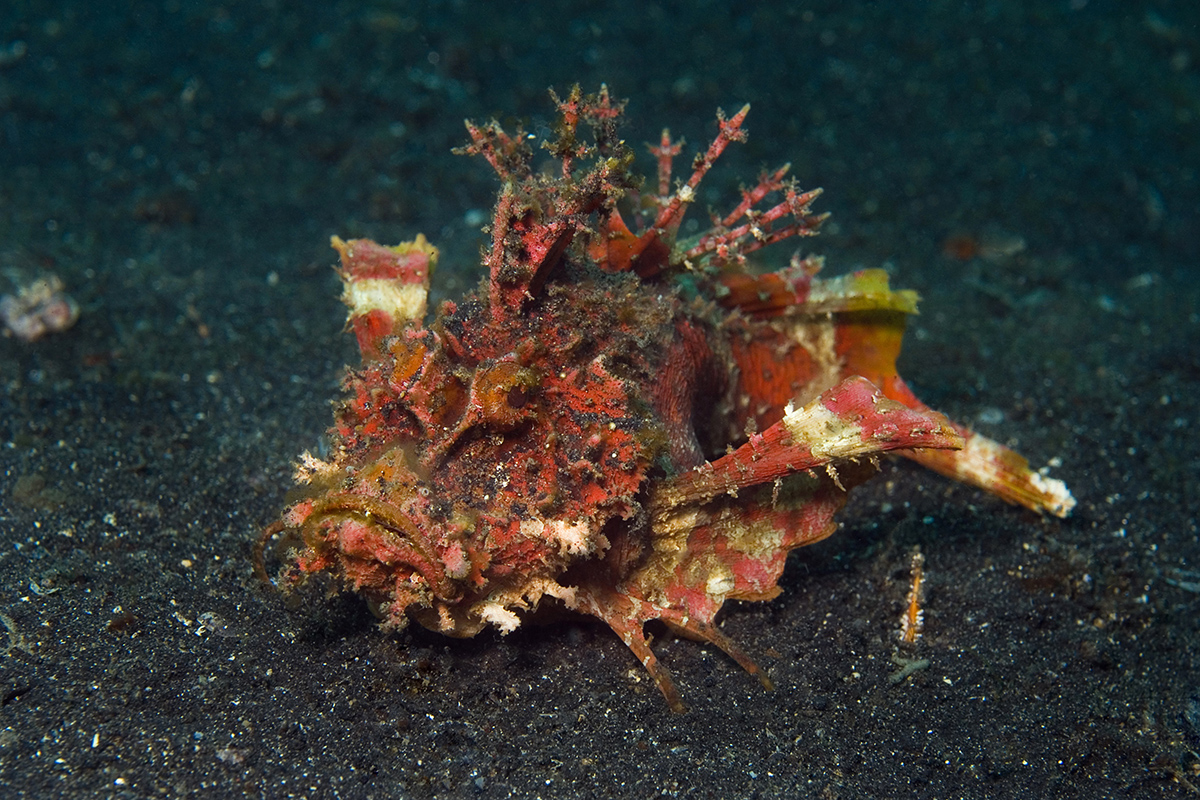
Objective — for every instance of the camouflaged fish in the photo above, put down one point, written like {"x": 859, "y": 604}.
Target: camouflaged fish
{"x": 635, "y": 424}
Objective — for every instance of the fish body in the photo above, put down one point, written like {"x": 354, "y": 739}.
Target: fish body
{"x": 636, "y": 425}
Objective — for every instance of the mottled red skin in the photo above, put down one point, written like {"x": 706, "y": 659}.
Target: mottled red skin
{"x": 639, "y": 427}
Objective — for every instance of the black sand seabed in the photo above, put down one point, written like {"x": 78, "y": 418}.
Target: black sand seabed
{"x": 182, "y": 167}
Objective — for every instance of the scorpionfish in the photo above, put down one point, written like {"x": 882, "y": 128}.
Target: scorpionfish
{"x": 637, "y": 424}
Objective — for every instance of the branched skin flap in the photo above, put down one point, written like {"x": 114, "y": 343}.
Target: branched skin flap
{"x": 637, "y": 426}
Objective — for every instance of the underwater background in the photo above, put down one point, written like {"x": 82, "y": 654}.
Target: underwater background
{"x": 1028, "y": 167}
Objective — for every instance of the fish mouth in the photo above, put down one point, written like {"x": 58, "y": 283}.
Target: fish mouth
{"x": 407, "y": 549}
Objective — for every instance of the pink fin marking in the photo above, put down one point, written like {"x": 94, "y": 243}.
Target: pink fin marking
{"x": 856, "y": 416}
